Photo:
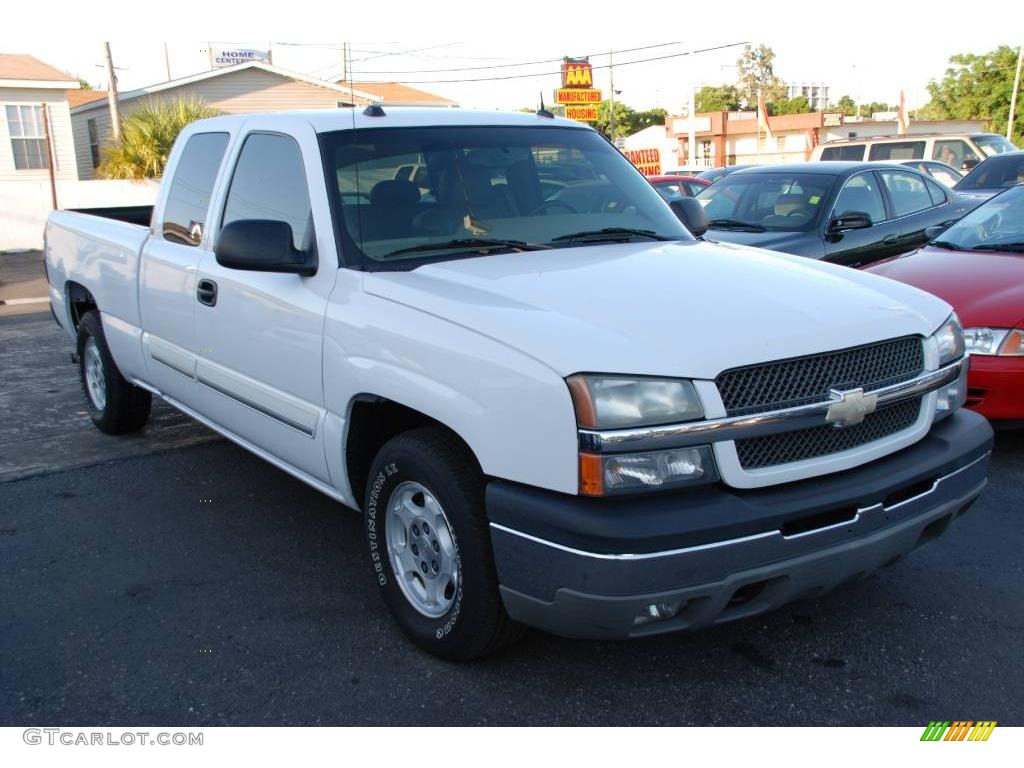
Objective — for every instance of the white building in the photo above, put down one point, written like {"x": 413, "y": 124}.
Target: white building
{"x": 815, "y": 93}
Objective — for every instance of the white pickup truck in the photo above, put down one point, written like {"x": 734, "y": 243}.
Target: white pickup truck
{"x": 553, "y": 404}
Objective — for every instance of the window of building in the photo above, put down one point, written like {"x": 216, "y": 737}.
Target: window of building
{"x": 94, "y": 142}
{"x": 188, "y": 200}
{"x": 28, "y": 136}
{"x": 270, "y": 183}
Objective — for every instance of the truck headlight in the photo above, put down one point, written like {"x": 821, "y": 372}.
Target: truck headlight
{"x": 606, "y": 475}
{"x": 950, "y": 340}
{"x": 619, "y": 402}
{"x": 1004, "y": 342}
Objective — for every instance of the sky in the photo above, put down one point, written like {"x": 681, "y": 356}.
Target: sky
{"x": 870, "y": 50}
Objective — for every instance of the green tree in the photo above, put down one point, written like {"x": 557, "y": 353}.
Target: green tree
{"x": 716, "y": 98}
{"x": 649, "y": 117}
{"x": 978, "y": 86}
{"x": 794, "y": 106}
{"x": 147, "y": 135}
{"x": 625, "y": 119}
{"x": 846, "y": 105}
{"x": 83, "y": 84}
{"x": 755, "y": 71}
{"x": 867, "y": 110}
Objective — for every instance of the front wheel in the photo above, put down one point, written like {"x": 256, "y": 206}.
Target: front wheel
{"x": 430, "y": 546}
{"x": 115, "y": 405}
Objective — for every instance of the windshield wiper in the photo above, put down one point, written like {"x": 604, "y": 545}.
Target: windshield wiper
{"x": 734, "y": 224}
{"x": 947, "y": 245}
{"x": 612, "y": 234}
{"x": 1008, "y": 247}
{"x": 472, "y": 244}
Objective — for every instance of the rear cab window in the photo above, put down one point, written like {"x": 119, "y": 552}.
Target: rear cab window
{"x": 188, "y": 200}
{"x": 853, "y": 152}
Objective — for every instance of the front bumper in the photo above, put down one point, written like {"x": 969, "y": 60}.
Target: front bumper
{"x": 590, "y": 567}
{"x": 995, "y": 387}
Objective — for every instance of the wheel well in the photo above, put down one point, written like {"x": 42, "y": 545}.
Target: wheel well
{"x": 79, "y": 302}
{"x": 372, "y": 422}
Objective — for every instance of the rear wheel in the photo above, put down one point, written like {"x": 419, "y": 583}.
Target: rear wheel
{"x": 430, "y": 546}
{"x": 115, "y": 405}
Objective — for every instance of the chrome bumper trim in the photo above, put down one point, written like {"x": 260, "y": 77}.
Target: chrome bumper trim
{"x": 776, "y": 534}
{"x": 756, "y": 424}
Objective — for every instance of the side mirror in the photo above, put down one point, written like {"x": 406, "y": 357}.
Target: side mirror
{"x": 932, "y": 232}
{"x": 689, "y": 211}
{"x": 849, "y": 220}
{"x": 967, "y": 165}
{"x": 262, "y": 245}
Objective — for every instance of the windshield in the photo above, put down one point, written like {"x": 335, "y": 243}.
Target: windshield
{"x": 766, "y": 201}
{"x": 410, "y": 195}
{"x": 993, "y": 144}
{"x": 995, "y": 173}
{"x": 997, "y": 224}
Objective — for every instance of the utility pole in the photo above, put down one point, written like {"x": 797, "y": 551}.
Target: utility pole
{"x": 344, "y": 62}
{"x": 611, "y": 96}
{"x": 115, "y": 112}
{"x": 691, "y": 138}
{"x": 51, "y": 155}
{"x": 1013, "y": 98}
{"x": 167, "y": 62}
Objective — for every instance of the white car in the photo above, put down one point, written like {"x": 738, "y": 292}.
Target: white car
{"x": 586, "y": 421}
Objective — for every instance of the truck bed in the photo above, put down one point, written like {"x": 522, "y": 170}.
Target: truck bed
{"x": 130, "y": 214}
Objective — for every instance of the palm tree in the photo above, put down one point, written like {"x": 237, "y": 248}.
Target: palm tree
{"x": 147, "y": 135}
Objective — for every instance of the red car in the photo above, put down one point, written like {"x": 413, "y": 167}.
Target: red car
{"x": 977, "y": 265}
{"x": 677, "y": 187}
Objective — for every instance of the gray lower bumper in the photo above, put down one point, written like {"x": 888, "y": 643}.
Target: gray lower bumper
{"x": 574, "y": 592}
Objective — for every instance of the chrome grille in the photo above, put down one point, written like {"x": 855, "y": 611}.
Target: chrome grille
{"x": 802, "y": 380}
{"x": 787, "y": 447}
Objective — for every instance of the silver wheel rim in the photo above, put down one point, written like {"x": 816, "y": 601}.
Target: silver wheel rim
{"x": 423, "y": 554}
{"x": 95, "y": 381}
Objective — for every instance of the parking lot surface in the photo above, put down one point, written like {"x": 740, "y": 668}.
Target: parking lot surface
{"x": 173, "y": 578}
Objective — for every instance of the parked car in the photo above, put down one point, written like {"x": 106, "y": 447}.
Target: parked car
{"x": 963, "y": 151}
{"x": 977, "y": 265}
{"x": 942, "y": 173}
{"x": 584, "y": 421}
{"x": 991, "y": 177}
{"x": 847, "y": 213}
{"x": 714, "y": 174}
{"x": 677, "y": 187}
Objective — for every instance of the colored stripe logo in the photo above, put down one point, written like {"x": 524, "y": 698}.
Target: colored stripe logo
{"x": 958, "y": 730}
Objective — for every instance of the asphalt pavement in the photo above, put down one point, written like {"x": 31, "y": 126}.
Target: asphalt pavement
{"x": 173, "y": 578}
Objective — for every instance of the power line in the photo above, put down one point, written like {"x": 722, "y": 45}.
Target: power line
{"x": 510, "y": 66}
{"x": 599, "y": 66}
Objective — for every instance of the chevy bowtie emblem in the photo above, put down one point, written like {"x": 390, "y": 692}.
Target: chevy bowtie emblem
{"x": 849, "y": 407}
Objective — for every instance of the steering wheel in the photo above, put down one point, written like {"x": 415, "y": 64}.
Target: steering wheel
{"x": 798, "y": 212}
{"x": 552, "y": 204}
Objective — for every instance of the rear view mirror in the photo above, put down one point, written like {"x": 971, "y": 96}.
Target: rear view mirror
{"x": 967, "y": 165}
{"x": 691, "y": 213}
{"x": 262, "y": 245}
{"x": 850, "y": 220}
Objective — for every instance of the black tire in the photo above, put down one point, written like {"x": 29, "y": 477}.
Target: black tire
{"x": 476, "y": 623}
{"x": 127, "y": 407}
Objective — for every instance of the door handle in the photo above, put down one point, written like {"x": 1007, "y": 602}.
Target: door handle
{"x": 206, "y": 292}
{"x": 890, "y": 239}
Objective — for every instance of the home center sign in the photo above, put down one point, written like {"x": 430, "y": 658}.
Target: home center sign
{"x": 577, "y": 92}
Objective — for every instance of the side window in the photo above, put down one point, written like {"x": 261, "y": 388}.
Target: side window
{"x": 269, "y": 182}
{"x": 861, "y": 194}
{"x": 907, "y": 192}
{"x": 897, "y": 150}
{"x": 935, "y": 190}
{"x": 188, "y": 200}
{"x": 953, "y": 152}
{"x": 853, "y": 152}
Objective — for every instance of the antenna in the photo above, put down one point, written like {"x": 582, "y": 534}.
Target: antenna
{"x": 543, "y": 112}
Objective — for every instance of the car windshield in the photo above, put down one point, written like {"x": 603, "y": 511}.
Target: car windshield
{"x": 405, "y": 196}
{"x": 997, "y": 224}
{"x": 993, "y": 144}
{"x": 766, "y": 201}
{"x": 995, "y": 173}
